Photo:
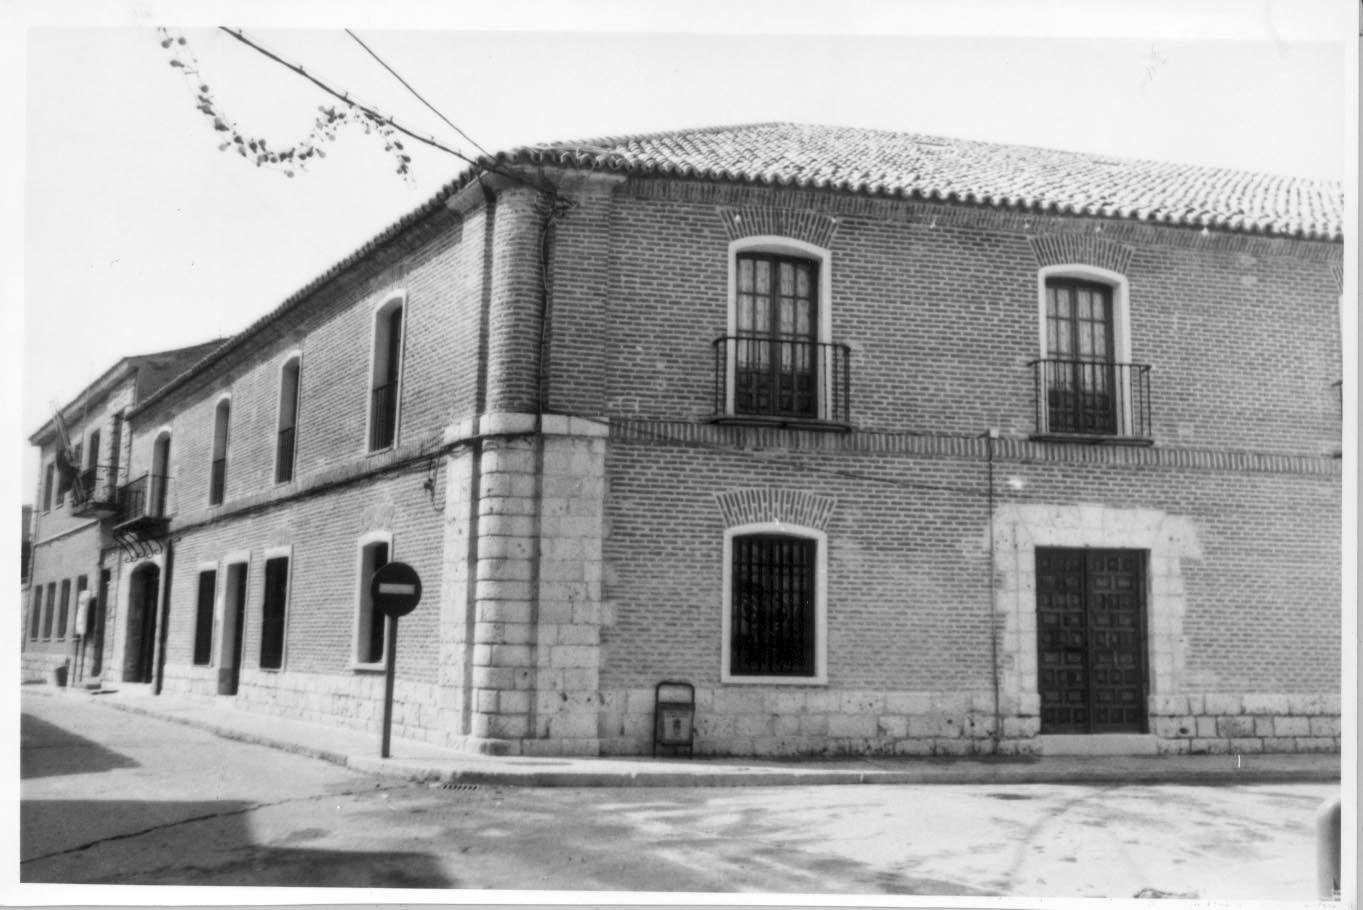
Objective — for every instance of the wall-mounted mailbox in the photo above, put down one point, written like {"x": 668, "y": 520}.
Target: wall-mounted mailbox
{"x": 674, "y": 716}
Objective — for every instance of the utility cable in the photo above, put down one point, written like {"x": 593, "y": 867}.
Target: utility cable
{"x": 417, "y": 94}
{"x": 372, "y": 112}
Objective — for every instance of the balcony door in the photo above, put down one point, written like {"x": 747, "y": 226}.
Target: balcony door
{"x": 1081, "y": 382}
{"x": 775, "y": 365}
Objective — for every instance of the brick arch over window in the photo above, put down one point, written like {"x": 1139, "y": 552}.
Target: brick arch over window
{"x": 814, "y": 228}
{"x": 761, "y": 505}
{"x": 1081, "y": 249}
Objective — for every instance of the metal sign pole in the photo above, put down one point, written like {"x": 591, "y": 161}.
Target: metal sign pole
{"x": 390, "y": 662}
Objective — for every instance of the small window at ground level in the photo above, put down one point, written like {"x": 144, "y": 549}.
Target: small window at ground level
{"x": 773, "y": 622}
{"x": 370, "y": 622}
{"x": 272, "y": 613}
{"x": 203, "y": 620}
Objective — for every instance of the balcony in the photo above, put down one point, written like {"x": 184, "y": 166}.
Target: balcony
{"x": 1091, "y": 401}
{"x": 283, "y": 460}
{"x": 95, "y": 494}
{"x": 383, "y": 416}
{"x": 782, "y": 382}
{"x": 142, "y": 505}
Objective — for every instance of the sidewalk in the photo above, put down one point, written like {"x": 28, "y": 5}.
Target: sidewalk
{"x": 423, "y": 762}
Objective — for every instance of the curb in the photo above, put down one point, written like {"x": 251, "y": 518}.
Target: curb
{"x": 962, "y": 772}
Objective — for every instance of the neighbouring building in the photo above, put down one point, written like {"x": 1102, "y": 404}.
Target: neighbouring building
{"x": 68, "y": 548}
{"x": 885, "y": 443}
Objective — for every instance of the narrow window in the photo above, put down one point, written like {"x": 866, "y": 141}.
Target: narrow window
{"x": 772, "y": 623}
{"x": 47, "y": 486}
{"x": 776, "y": 358}
{"x": 383, "y": 399}
{"x": 370, "y": 622}
{"x": 218, "y": 481}
{"x": 203, "y": 621}
{"x": 272, "y": 613}
{"x": 36, "y": 620}
{"x": 51, "y": 609}
{"x": 63, "y": 609}
{"x": 288, "y": 421}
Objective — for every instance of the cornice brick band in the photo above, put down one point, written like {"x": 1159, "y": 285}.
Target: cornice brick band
{"x": 681, "y": 433}
{"x": 812, "y": 227}
{"x": 1081, "y": 249}
{"x": 759, "y": 505}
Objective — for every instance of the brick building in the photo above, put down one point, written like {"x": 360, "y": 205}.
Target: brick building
{"x": 885, "y": 443}
{"x": 67, "y": 563}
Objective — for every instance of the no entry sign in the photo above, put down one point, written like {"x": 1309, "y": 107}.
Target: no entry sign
{"x": 395, "y": 589}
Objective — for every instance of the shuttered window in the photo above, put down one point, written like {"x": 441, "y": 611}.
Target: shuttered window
{"x": 203, "y": 621}
{"x": 272, "y": 613}
{"x": 772, "y": 628}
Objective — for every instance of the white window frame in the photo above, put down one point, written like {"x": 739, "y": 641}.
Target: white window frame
{"x": 294, "y": 356}
{"x": 820, "y": 676}
{"x": 1121, "y": 322}
{"x": 782, "y": 246}
{"x": 362, "y": 600}
{"x": 395, "y": 298}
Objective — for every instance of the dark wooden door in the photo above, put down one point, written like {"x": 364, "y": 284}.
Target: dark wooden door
{"x": 1091, "y": 640}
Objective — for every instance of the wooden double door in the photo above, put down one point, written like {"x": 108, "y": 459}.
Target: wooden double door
{"x": 1091, "y": 664}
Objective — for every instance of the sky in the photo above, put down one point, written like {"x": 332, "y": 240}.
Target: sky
{"x": 137, "y": 234}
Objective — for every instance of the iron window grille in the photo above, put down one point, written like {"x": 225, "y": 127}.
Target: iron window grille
{"x": 772, "y": 626}
{"x": 284, "y": 455}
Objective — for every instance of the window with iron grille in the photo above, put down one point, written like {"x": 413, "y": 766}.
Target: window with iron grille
{"x": 369, "y": 631}
{"x": 387, "y": 373}
{"x": 217, "y": 486}
{"x": 203, "y": 620}
{"x": 772, "y": 622}
{"x": 288, "y": 421}
{"x": 272, "y": 613}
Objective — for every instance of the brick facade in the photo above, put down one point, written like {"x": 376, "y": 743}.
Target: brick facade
{"x": 561, "y": 483}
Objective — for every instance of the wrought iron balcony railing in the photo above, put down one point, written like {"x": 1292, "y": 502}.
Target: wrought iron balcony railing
{"x": 94, "y": 492}
{"x": 766, "y": 379}
{"x": 383, "y": 413}
{"x": 1094, "y": 399}
{"x": 283, "y": 462}
{"x": 217, "y": 481}
{"x": 142, "y": 502}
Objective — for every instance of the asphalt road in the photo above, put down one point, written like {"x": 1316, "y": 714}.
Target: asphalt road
{"x": 116, "y": 798}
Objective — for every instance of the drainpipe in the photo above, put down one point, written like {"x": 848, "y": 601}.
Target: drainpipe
{"x": 166, "y": 569}
{"x": 989, "y": 436}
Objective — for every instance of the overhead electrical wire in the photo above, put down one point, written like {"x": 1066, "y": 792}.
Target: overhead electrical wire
{"x": 345, "y": 97}
{"x": 416, "y": 94}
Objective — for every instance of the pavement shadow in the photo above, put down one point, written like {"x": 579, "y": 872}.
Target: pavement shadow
{"x": 149, "y": 842}
{"x": 47, "y": 750}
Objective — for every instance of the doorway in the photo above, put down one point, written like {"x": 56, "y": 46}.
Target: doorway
{"x": 144, "y": 587}
{"x": 233, "y": 625}
{"x": 1090, "y": 621}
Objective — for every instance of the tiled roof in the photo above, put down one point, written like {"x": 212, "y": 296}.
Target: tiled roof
{"x": 879, "y": 162}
